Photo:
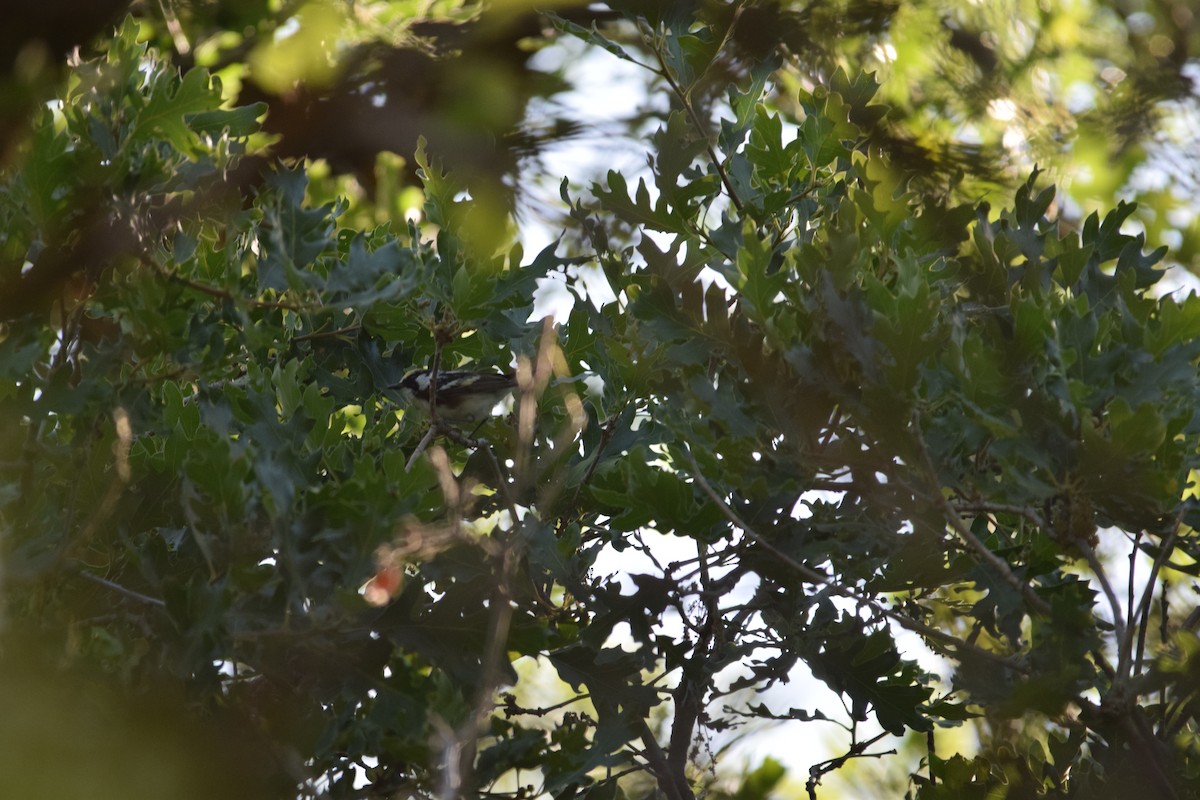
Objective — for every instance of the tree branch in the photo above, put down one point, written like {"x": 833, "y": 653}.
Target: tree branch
{"x": 215, "y": 291}
{"x": 820, "y": 578}
{"x": 1123, "y": 639}
{"x": 1143, "y": 610}
{"x": 660, "y": 767}
{"x": 959, "y": 525}
{"x": 685, "y": 99}
{"x": 116, "y": 587}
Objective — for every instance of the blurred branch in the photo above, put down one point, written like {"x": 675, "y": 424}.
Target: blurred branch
{"x": 120, "y": 479}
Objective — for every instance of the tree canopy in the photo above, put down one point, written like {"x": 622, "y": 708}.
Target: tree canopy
{"x": 862, "y": 388}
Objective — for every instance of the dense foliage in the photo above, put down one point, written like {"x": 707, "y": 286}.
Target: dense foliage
{"x": 877, "y": 420}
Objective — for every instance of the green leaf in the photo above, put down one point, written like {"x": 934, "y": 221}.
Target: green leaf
{"x": 1178, "y": 322}
{"x": 591, "y": 36}
{"x": 237, "y": 123}
{"x": 47, "y": 175}
{"x": 1135, "y": 431}
{"x": 170, "y": 104}
{"x": 637, "y": 210}
{"x": 755, "y": 279}
{"x": 383, "y": 275}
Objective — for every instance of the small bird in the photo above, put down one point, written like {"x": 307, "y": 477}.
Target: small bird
{"x": 462, "y": 395}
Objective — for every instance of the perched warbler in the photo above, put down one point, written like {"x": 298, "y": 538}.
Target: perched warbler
{"x": 461, "y": 395}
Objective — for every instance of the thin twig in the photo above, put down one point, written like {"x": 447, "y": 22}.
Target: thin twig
{"x": 931, "y": 752}
{"x": 217, "y": 292}
{"x": 809, "y": 574}
{"x": 857, "y": 750}
{"x": 606, "y": 434}
{"x": 434, "y": 372}
{"x": 684, "y": 98}
{"x": 977, "y": 507}
{"x": 116, "y": 587}
{"x": 820, "y": 578}
{"x": 1165, "y": 548}
{"x": 327, "y": 334}
{"x": 1117, "y": 614}
{"x": 421, "y": 446}
{"x": 510, "y": 705}
{"x": 501, "y": 480}
{"x": 959, "y": 525}
{"x": 1130, "y": 605}
{"x": 1152, "y": 758}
